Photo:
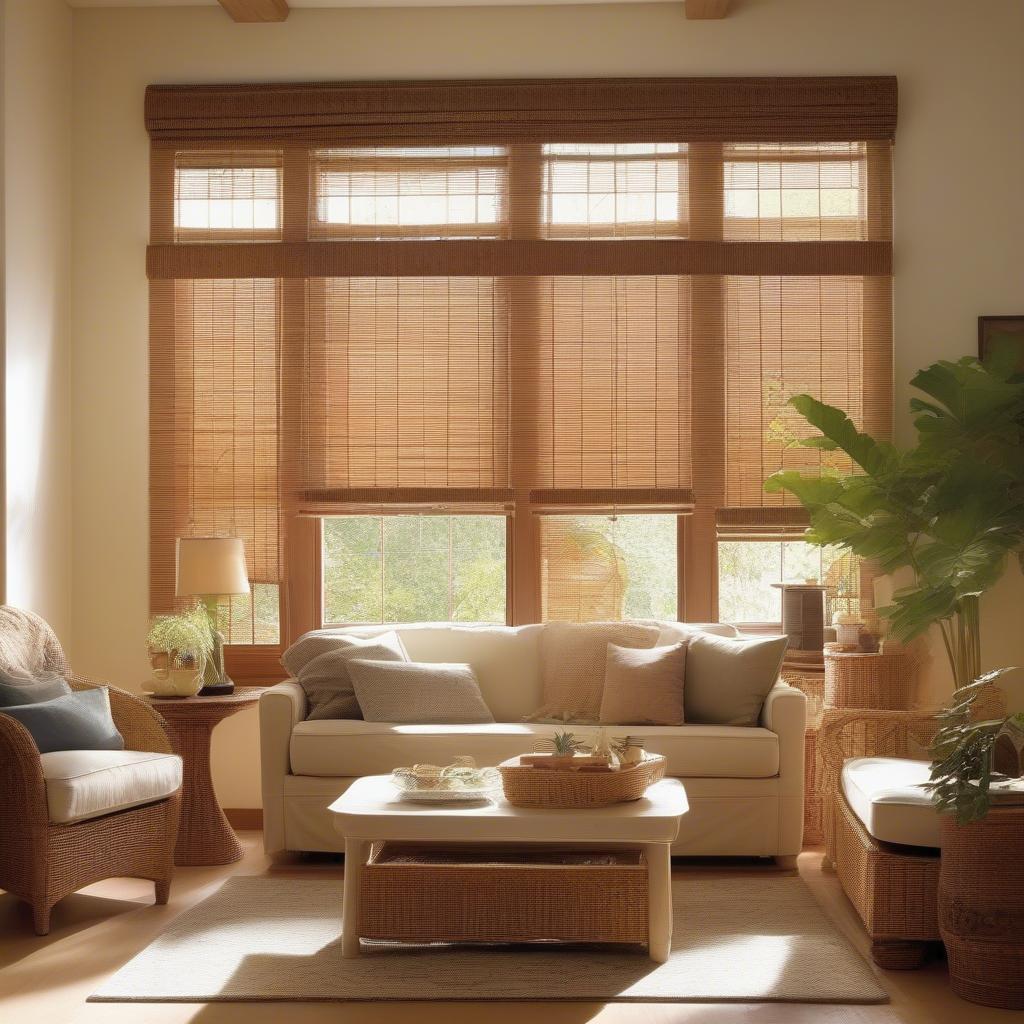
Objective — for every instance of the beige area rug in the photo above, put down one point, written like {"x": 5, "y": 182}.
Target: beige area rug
{"x": 749, "y": 939}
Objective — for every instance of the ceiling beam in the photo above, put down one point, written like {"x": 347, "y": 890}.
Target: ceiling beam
{"x": 705, "y": 10}
{"x": 256, "y": 10}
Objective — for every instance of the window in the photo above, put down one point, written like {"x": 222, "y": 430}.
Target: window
{"x": 410, "y": 192}
{"x": 413, "y": 568}
{"x": 219, "y": 195}
{"x": 608, "y": 567}
{"x": 253, "y": 618}
{"x": 795, "y": 193}
{"x": 747, "y": 571}
{"x": 509, "y": 351}
{"x": 614, "y": 190}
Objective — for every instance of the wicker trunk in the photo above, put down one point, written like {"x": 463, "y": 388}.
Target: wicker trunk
{"x": 504, "y": 894}
{"x": 981, "y": 907}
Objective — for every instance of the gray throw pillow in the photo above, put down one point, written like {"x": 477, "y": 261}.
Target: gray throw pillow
{"x": 77, "y": 721}
{"x": 319, "y": 641}
{"x": 18, "y": 690}
{"x": 326, "y": 680}
{"x": 727, "y": 680}
{"x": 418, "y": 692}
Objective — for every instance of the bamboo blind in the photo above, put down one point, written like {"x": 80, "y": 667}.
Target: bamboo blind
{"x": 539, "y": 296}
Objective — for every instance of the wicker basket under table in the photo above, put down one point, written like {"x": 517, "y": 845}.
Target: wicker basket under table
{"x": 511, "y": 893}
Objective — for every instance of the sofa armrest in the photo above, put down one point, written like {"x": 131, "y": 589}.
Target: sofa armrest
{"x": 785, "y": 710}
{"x": 785, "y": 713}
{"x": 282, "y": 707}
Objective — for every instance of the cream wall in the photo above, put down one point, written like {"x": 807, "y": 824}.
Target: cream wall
{"x": 37, "y": 287}
{"x": 960, "y": 207}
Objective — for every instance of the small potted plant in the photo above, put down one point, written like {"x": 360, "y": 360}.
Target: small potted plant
{"x": 179, "y": 646}
{"x": 981, "y": 881}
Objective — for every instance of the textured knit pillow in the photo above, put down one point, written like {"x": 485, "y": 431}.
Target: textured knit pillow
{"x": 326, "y": 679}
{"x": 573, "y": 656}
{"x": 418, "y": 692}
{"x": 319, "y": 641}
{"x": 644, "y": 687}
{"x": 76, "y": 721}
{"x": 727, "y": 680}
{"x": 17, "y": 690}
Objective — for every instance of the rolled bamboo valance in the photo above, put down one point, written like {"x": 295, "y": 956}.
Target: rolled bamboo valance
{"x": 514, "y": 258}
{"x": 764, "y": 523}
{"x": 534, "y": 110}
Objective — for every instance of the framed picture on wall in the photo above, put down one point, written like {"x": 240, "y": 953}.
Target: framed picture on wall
{"x": 992, "y": 327}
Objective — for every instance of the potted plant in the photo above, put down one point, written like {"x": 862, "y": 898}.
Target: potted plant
{"x": 951, "y": 508}
{"x": 179, "y": 647}
{"x": 981, "y": 879}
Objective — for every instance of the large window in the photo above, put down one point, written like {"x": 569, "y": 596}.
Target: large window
{"x": 603, "y": 568}
{"x": 419, "y": 568}
{"x": 509, "y": 351}
{"x": 749, "y": 570}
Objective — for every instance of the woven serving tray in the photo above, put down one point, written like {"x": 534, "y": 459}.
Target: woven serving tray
{"x": 541, "y": 787}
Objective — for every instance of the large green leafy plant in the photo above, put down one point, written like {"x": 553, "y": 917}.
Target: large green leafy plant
{"x": 951, "y": 508}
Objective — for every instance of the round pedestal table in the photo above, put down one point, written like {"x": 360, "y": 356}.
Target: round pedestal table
{"x": 205, "y": 836}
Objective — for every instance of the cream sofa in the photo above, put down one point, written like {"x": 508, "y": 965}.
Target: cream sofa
{"x": 745, "y": 785}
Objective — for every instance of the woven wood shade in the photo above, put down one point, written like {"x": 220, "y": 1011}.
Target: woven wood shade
{"x": 529, "y": 296}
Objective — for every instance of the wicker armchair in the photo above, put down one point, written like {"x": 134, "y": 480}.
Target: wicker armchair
{"x": 893, "y": 888}
{"x": 41, "y": 861}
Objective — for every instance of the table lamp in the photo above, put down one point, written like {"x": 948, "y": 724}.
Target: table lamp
{"x": 211, "y": 568}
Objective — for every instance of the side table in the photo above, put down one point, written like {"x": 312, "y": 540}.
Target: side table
{"x": 205, "y": 836}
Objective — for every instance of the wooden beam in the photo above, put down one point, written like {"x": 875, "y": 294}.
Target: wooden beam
{"x": 256, "y": 10}
{"x": 705, "y": 10}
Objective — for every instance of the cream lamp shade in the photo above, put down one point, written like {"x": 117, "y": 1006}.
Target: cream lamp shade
{"x": 211, "y": 565}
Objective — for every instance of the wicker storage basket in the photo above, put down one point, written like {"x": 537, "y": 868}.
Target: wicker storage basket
{"x": 540, "y": 787}
{"x": 503, "y": 894}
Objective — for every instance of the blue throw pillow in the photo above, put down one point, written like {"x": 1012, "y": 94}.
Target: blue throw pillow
{"x": 17, "y": 690}
{"x": 77, "y": 721}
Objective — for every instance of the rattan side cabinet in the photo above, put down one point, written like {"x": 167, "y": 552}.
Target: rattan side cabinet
{"x": 205, "y": 835}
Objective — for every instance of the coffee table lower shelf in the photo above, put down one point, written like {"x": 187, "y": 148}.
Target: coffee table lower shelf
{"x": 508, "y": 893}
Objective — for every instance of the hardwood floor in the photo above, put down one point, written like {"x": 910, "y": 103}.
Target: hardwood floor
{"x": 46, "y": 980}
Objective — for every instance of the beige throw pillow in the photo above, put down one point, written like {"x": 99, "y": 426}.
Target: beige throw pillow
{"x": 573, "y": 656}
{"x": 326, "y": 679}
{"x": 727, "y": 680}
{"x": 644, "y": 687}
{"x": 418, "y": 692}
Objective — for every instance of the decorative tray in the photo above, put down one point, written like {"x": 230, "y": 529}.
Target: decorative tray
{"x": 461, "y": 782}
{"x": 528, "y": 786}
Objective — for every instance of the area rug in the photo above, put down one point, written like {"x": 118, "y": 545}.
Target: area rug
{"x": 736, "y": 939}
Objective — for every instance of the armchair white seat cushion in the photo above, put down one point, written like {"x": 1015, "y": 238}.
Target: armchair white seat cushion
{"x": 345, "y": 747}
{"x": 83, "y": 784}
{"x": 887, "y": 795}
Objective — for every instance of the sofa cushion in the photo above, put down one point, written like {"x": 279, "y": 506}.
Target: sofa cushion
{"x": 346, "y": 748}
{"x": 80, "y": 720}
{"x": 573, "y": 657}
{"x": 886, "y": 793}
{"x": 727, "y": 680}
{"x": 83, "y": 784}
{"x": 505, "y": 659}
{"x": 327, "y": 682}
{"x": 644, "y": 686}
{"x": 415, "y": 691}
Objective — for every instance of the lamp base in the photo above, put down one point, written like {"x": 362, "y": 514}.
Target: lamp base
{"x": 217, "y": 689}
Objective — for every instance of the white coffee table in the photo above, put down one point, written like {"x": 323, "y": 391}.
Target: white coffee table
{"x": 370, "y": 811}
